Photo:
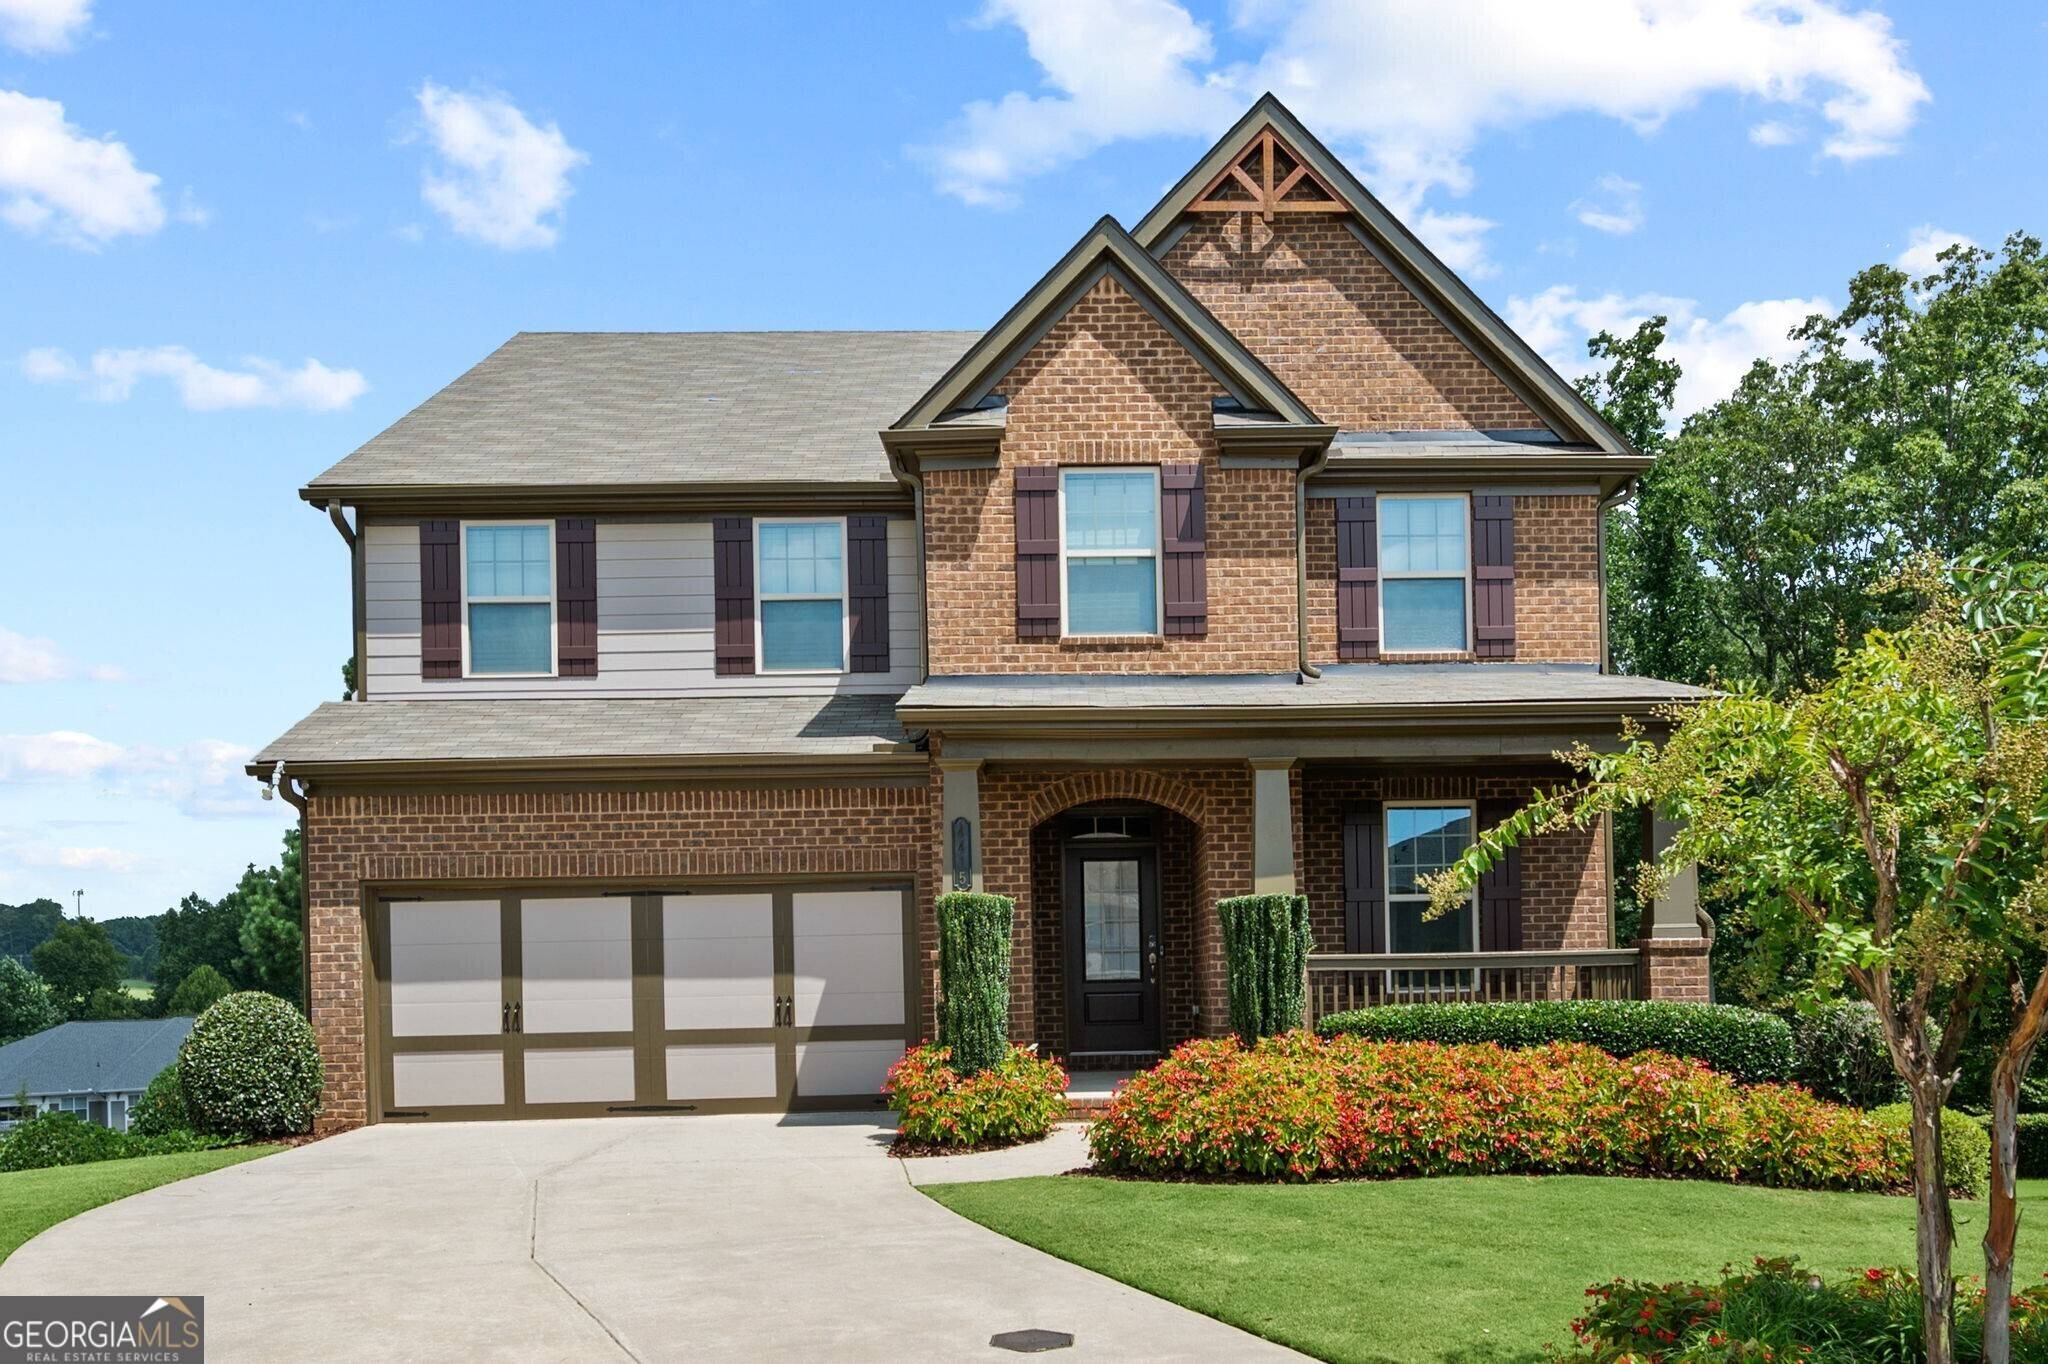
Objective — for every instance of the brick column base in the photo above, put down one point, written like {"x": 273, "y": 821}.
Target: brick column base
{"x": 1676, "y": 969}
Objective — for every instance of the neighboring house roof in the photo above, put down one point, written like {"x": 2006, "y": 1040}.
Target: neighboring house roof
{"x": 91, "y": 1058}
{"x": 550, "y": 409}
{"x": 740, "y": 731}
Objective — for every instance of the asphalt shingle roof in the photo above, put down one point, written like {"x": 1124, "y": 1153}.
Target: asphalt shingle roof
{"x": 562, "y": 408}
{"x": 91, "y": 1058}
{"x": 1448, "y": 685}
{"x": 571, "y": 727}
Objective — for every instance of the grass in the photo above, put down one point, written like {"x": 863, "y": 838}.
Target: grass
{"x": 32, "y": 1200}
{"x": 1485, "y": 1269}
{"x": 137, "y": 988}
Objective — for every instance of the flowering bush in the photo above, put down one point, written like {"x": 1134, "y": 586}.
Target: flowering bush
{"x": 1303, "y": 1107}
{"x": 1779, "y": 1311}
{"x": 1019, "y": 1098}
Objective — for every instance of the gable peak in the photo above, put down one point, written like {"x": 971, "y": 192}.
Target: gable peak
{"x": 1267, "y": 176}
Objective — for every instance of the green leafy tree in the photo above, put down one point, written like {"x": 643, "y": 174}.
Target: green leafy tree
{"x": 135, "y": 935}
{"x": 25, "y": 1003}
{"x": 23, "y": 928}
{"x": 271, "y": 936}
{"x": 78, "y": 959}
{"x": 348, "y": 679}
{"x": 109, "y": 1003}
{"x": 199, "y": 991}
{"x": 199, "y": 932}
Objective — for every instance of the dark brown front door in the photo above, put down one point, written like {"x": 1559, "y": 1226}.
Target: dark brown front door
{"x": 1112, "y": 926}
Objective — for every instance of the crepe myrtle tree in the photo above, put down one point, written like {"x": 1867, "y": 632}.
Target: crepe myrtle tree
{"x": 1886, "y": 827}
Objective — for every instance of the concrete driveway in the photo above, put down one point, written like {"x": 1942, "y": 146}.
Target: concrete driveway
{"x": 604, "y": 1239}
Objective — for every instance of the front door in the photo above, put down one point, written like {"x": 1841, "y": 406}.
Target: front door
{"x": 1112, "y": 925}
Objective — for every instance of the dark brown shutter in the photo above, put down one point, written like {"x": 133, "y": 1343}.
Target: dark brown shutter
{"x": 1365, "y": 883}
{"x": 1038, "y": 552}
{"x": 576, "y": 597}
{"x": 1183, "y": 541}
{"x": 867, "y": 592}
{"x": 732, "y": 591}
{"x": 440, "y": 599}
{"x": 1500, "y": 889}
{"x": 1358, "y": 578}
{"x": 1493, "y": 577}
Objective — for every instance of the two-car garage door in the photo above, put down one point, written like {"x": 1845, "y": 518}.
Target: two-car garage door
{"x": 570, "y": 1003}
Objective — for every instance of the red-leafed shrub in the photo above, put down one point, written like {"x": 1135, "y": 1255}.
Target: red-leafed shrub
{"x": 1302, "y": 1107}
{"x": 1019, "y": 1098}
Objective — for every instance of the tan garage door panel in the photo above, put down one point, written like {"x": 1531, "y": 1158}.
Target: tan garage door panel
{"x": 577, "y": 964}
{"x": 579, "y": 1075}
{"x": 442, "y": 1079}
{"x": 848, "y": 957}
{"x": 446, "y": 962}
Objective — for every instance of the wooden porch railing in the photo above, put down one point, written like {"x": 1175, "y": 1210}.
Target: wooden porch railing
{"x": 1361, "y": 980}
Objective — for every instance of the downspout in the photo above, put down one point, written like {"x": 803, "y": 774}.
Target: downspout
{"x": 1607, "y": 504}
{"x": 1309, "y": 671}
{"x": 357, "y": 607}
{"x": 914, "y": 482}
{"x": 295, "y": 796}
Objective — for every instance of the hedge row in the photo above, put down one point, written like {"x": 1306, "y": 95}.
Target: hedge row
{"x": 49, "y": 1139}
{"x": 1741, "y": 1043}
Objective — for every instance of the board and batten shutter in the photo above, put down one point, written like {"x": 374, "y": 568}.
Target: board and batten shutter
{"x": 867, "y": 592}
{"x": 1358, "y": 578}
{"x": 1493, "y": 576}
{"x": 732, "y": 590}
{"x": 1500, "y": 888}
{"x": 1365, "y": 881}
{"x": 1183, "y": 520}
{"x": 1038, "y": 552}
{"x": 576, "y": 596}
{"x": 440, "y": 599}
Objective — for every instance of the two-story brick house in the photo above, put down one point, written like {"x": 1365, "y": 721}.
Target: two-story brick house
{"x": 1249, "y": 550}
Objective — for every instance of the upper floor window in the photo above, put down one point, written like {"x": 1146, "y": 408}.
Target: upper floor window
{"x": 508, "y": 597}
{"x": 1424, "y": 565}
{"x": 802, "y": 576}
{"x": 1109, "y": 551}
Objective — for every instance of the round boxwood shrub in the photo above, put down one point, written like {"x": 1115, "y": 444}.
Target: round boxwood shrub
{"x": 1839, "y": 1054}
{"x": 49, "y": 1139}
{"x": 1019, "y": 1098}
{"x": 161, "y": 1108}
{"x": 251, "y": 1066}
{"x": 1965, "y": 1145}
{"x": 974, "y": 978}
{"x": 1743, "y": 1043}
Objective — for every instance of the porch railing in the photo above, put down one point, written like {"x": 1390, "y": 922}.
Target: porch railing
{"x": 1338, "y": 981}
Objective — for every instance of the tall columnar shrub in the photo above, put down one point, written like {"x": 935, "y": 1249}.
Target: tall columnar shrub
{"x": 974, "y": 978}
{"x": 251, "y": 1065}
{"x": 1265, "y": 950}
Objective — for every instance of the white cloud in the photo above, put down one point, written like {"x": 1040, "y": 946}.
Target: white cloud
{"x": 501, "y": 180}
{"x": 113, "y": 374}
{"x": 1458, "y": 239}
{"x": 1924, "y": 246}
{"x": 1615, "y": 205}
{"x": 1712, "y": 353}
{"x": 57, "y": 180}
{"x": 202, "y": 778}
{"x": 49, "y": 858}
{"x": 43, "y": 25}
{"x": 190, "y": 210}
{"x": 26, "y": 658}
{"x": 1773, "y": 133}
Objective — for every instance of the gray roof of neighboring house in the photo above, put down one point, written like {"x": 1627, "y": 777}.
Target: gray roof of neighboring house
{"x": 569, "y": 727}
{"x": 1406, "y": 686}
{"x": 555, "y": 408}
{"x": 91, "y": 1058}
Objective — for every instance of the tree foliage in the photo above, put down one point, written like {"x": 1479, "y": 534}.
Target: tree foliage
{"x": 272, "y": 935}
{"x": 26, "y": 1006}
{"x": 77, "y": 960}
{"x": 198, "y": 992}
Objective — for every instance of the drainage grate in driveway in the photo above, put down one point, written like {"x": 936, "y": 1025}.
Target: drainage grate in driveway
{"x": 1032, "y": 1342}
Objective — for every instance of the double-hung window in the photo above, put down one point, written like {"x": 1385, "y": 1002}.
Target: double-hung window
{"x": 801, "y": 569}
{"x": 508, "y": 581}
{"x": 1109, "y": 551}
{"x": 1425, "y": 564}
{"x": 1423, "y": 839}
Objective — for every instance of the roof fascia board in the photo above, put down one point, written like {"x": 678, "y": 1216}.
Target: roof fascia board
{"x": 1534, "y": 745}
{"x": 1198, "y": 721}
{"x": 724, "y": 769}
{"x": 565, "y": 499}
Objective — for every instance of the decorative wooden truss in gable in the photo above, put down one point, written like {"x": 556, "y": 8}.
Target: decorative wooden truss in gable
{"x": 1265, "y": 178}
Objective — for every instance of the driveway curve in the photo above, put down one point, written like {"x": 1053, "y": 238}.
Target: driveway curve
{"x": 601, "y": 1239}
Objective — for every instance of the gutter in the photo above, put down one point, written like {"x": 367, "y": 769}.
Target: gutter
{"x": 914, "y": 481}
{"x": 1308, "y": 670}
{"x": 295, "y": 794}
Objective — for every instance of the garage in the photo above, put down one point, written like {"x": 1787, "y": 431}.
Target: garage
{"x": 561, "y": 1001}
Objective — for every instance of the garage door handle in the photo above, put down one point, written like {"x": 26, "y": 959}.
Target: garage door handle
{"x": 505, "y": 1019}
{"x": 517, "y": 1026}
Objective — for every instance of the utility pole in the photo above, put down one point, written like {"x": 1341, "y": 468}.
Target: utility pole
{"x": 78, "y": 902}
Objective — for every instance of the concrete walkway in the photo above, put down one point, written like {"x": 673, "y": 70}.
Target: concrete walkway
{"x": 606, "y": 1239}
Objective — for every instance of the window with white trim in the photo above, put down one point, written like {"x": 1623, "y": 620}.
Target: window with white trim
{"x": 1109, "y": 551}
{"x": 1425, "y": 563}
{"x": 800, "y": 573}
{"x": 508, "y": 600}
{"x": 1421, "y": 841}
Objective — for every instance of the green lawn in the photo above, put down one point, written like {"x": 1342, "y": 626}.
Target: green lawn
{"x": 31, "y": 1200}
{"x": 137, "y": 988}
{"x": 1444, "y": 1269}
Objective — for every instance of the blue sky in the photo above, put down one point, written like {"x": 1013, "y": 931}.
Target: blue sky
{"x": 237, "y": 240}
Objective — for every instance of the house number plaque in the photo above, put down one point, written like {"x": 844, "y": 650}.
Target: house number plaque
{"x": 963, "y": 853}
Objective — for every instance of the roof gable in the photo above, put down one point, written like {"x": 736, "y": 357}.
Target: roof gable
{"x": 1481, "y": 329}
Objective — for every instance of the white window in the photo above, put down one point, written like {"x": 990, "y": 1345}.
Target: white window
{"x": 508, "y": 600}
{"x": 1425, "y": 564}
{"x": 800, "y": 578}
{"x": 1423, "y": 839}
{"x": 1109, "y": 552}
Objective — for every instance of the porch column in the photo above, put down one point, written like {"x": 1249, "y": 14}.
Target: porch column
{"x": 1674, "y": 914}
{"x": 1272, "y": 827}
{"x": 1674, "y": 945}
{"x": 960, "y": 824}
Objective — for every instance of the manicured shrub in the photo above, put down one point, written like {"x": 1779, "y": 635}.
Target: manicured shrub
{"x": 1265, "y": 949}
{"x": 1020, "y": 1098}
{"x": 2033, "y": 1145}
{"x": 1302, "y": 1107}
{"x": 1743, "y": 1043}
{"x": 1839, "y": 1054}
{"x": 1965, "y": 1145}
{"x": 161, "y": 1108}
{"x": 251, "y": 1066}
{"x": 974, "y": 977}
{"x": 1777, "y": 1310}
{"x": 66, "y": 1139}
